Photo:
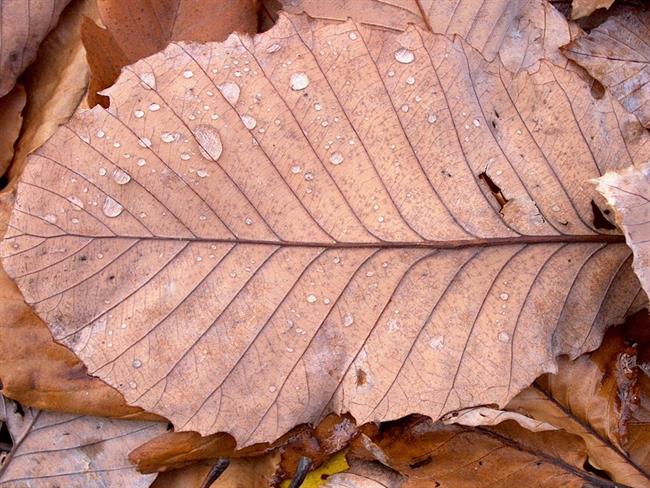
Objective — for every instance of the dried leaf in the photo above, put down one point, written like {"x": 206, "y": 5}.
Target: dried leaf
{"x": 482, "y": 24}
{"x": 22, "y": 28}
{"x": 136, "y": 29}
{"x": 53, "y": 449}
{"x": 617, "y": 54}
{"x": 481, "y": 416}
{"x": 628, "y": 193}
{"x": 582, "y": 8}
{"x": 364, "y": 474}
{"x": 249, "y": 248}
{"x": 11, "y": 120}
{"x": 433, "y": 454}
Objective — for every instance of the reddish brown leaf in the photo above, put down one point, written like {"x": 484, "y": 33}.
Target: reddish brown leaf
{"x": 225, "y": 265}
{"x": 11, "y": 120}
{"x": 23, "y": 25}
{"x": 617, "y": 54}
{"x": 136, "y": 29}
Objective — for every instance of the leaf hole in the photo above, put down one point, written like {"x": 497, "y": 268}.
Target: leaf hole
{"x": 597, "y": 89}
{"x": 6, "y": 442}
{"x": 599, "y": 220}
{"x": 494, "y": 189}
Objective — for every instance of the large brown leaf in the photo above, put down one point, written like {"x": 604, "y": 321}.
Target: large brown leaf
{"x": 23, "y": 25}
{"x": 617, "y": 54}
{"x": 325, "y": 218}
{"x": 138, "y": 28}
{"x": 53, "y": 449}
{"x": 628, "y": 192}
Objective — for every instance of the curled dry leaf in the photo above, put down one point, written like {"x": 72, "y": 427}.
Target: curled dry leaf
{"x": 55, "y": 449}
{"x": 628, "y": 193}
{"x": 23, "y": 25}
{"x": 582, "y": 8}
{"x": 505, "y": 455}
{"x": 617, "y": 54}
{"x": 365, "y": 474}
{"x": 480, "y": 416}
{"x": 138, "y": 28}
{"x": 11, "y": 120}
{"x": 253, "y": 235}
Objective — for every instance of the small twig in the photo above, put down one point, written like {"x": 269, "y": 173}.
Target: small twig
{"x": 304, "y": 465}
{"x": 216, "y": 471}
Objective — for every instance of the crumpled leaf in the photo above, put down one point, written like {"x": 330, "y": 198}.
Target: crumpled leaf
{"x": 261, "y": 236}
{"x": 617, "y": 54}
{"x": 136, "y": 29}
{"x": 628, "y": 193}
{"x": 519, "y": 31}
{"x": 481, "y": 416}
{"x": 23, "y": 25}
{"x": 11, "y": 120}
{"x": 365, "y": 474}
{"x": 55, "y": 449}
{"x": 501, "y": 456}
{"x": 582, "y": 8}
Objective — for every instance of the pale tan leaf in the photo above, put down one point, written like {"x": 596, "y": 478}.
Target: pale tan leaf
{"x": 582, "y": 8}
{"x": 364, "y": 474}
{"x": 617, "y": 54}
{"x": 23, "y": 25}
{"x": 480, "y": 416}
{"x": 53, "y": 449}
{"x": 253, "y": 235}
{"x": 628, "y": 193}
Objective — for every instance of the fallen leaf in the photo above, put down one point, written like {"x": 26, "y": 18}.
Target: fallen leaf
{"x": 482, "y": 24}
{"x": 34, "y": 369}
{"x": 55, "y": 449}
{"x": 433, "y": 454}
{"x": 11, "y": 120}
{"x": 249, "y": 248}
{"x": 136, "y": 29}
{"x": 628, "y": 193}
{"x": 22, "y": 28}
{"x": 364, "y": 474}
{"x": 582, "y": 8}
{"x": 481, "y": 416}
{"x": 617, "y": 54}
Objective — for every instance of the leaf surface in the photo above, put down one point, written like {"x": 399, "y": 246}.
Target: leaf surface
{"x": 23, "y": 25}
{"x": 52, "y": 449}
{"x": 583, "y": 8}
{"x": 628, "y": 192}
{"x": 253, "y": 235}
{"x": 617, "y": 54}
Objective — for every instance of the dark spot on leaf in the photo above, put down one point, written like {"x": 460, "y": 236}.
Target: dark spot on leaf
{"x": 420, "y": 463}
{"x": 597, "y": 89}
{"x": 362, "y": 377}
{"x": 494, "y": 189}
{"x": 600, "y": 221}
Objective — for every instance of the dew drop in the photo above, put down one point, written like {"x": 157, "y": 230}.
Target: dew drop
{"x": 249, "y": 121}
{"x": 154, "y": 107}
{"x": 393, "y": 325}
{"x": 476, "y": 123}
{"x": 209, "y": 141}
{"x": 112, "y": 208}
{"x": 273, "y": 48}
{"x": 503, "y": 336}
{"x": 145, "y": 142}
{"x": 138, "y": 114}
{"x": 170, "y": 136}
{"x": 133, "y": 385}
{"x": 431, "y": 118}
{"x": 248, "y": 221}
{"x": 309, "y": 176}
{"x": 185, "y": 156}
{"x": 233, "y": 274}
{"x": 136, "y": 363}
{"x": 353, "y": 36}
{"x": 437, "y": 342}
{"x": 141, "y": 162}
{"x": 202, "y": 173}
{"x": 503, "y": 296}
{"x": 50, "y": 218}
{"x": 102, "y": 171}
{"x": 100, "y": 133}
{"x": 230, "y": 92}
{"x": 404, "y": 56}
{"x": 148, "y": 80}
{"x": 405, "y": 108}
{"x": 555, "y": 208}
{"x": 336, "y": 158}
{"x": 272, "y": 388}
{"x": 410, "y": 80}
{"x": 295, "y": 169}
{"x": 187, "y": 74}
{"x": 299, "y": 81}
{"x": 348, "y": 320}
{"x": 121, "y": 177}
{"x": 311, "y": 298}
{"x": 318, "y": 107}
{"x": 76, "y": 201}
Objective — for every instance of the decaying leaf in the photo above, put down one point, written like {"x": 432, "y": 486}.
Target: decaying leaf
{"x": 54, "y": 449}
{"x": 501, "y": 456}
{"x": 365, "y": 474}
{"x": 582, "y": 8}
{"x": 136, "y": 29}
{"x": 253, "y": 235}
{"x": 481, "y": 416}
{"x": 628, "y": 193}
{"x": 617, "y": 54}
{"x": 23, "y": 25}
{"x": 11, "y": 120}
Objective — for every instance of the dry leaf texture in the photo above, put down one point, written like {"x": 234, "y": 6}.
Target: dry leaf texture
{"x": 23, "y": 25}
{"x": 617, "y": 54}
{"x": 53, "y": 449}
{"x": 325, "y": 218}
